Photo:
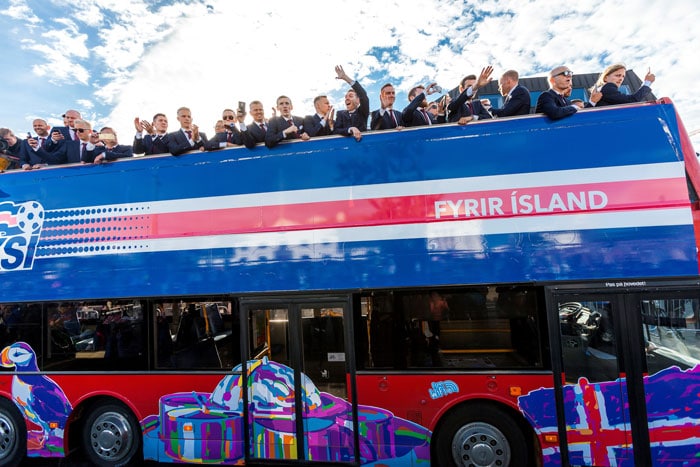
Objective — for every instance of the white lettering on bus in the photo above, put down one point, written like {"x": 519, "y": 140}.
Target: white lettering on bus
{"x": 521, "y": 204}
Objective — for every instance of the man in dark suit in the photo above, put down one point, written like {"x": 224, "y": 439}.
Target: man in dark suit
{"x": 386, "y": 118}
{"x": 353, "y": 120}
{"x": 65, "y": 132}
{"x": 255, "y": 132}
{"x": 111, "y": 149}
{"x": 555, "y": 102}
{"x": 188, "y": 137}
{"x": 416, "y": 112}
{"x": 285, "y": 126}
{"x": 516, "y": 97}
{"x": 229, "y": 136}
{"x": 34, "y": 154}
{"x": 155, "y": 141}
{"x": 465, "y": 108}
{"x": 321, "y": 123}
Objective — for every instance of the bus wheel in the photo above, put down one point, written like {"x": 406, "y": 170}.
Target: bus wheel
{"x": 111, "y": 436}
{"x": 13, "y": 435}
{"x": 480, "y": 436}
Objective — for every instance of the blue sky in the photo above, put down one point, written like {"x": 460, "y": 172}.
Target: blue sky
{"x": 114, "y": 60}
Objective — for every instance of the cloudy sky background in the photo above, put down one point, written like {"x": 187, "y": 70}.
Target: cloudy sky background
{"x": 114, "y": 60}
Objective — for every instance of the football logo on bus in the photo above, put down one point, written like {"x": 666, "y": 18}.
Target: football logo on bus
{"x": 20, "y": 226}
{"x": 30, "y": 217}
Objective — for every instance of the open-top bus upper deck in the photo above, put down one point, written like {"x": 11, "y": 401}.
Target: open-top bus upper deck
{"x": 600, "y": 195}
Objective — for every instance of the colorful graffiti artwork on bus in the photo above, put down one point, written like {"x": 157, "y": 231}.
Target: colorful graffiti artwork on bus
{"x": 597, "y": 429}
{"x": 40, "y": 400}
{"x": 205, "y": 428}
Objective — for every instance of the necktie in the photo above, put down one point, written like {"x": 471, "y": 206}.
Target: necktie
{"x": 264, "y": 127}
{"x": 75, "y": 135}
{"x": 290, "y": 122}
{"x": 189, "y": 134}
{"x": 426, "y": 117}
{"x": 42, "y": 142}
{"x": 82, "y": 149}
{"x": 228, "y": 137}
{"x": 470, "y": 107}
{"x": 393, "y": 118}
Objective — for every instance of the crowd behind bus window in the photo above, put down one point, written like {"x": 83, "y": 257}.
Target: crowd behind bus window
{"x": 77, "y": 142}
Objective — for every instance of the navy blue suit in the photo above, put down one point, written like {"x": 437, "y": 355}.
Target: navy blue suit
{"x": 554, "y": 105}
{"x": 613, "y": 96}
{"x": 313, "y": 126}
{"x": 179, "y": 144}
{"x": 220, "y": 139}
{"x": 344, "y": 120}
{"x": 39, "y": 156}
{"x": 151, "y": 144}
{"x": 413, "y": 116}
{"x": 465, "y": 106}
{"x": 64, "y": 130}
{"x": 119, "y": 151}
{"x": 385, "y": 122}
{"x": 517, "y": 104}
{"x": 277, "y": 125}
{"x": 253, "y": 135}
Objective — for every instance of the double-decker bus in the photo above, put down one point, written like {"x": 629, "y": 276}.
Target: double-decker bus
{"x": 514, "y": 292}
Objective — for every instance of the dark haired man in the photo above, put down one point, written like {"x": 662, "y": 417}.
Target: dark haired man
{"x": 285, "y": 126}
{"x": 353, "y": 120}
{"x": 385, "y": 117}
{"x": 155, "y": 141}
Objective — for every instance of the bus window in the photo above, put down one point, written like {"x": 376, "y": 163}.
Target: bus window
{"x": 196, "y": 334}
{"x": 588, "y": 340}
{"x": 22, "y": 323}
{"x": 96, "y": 335}
{"x": 467, "y": 328}
{"x": 671, "y": 333}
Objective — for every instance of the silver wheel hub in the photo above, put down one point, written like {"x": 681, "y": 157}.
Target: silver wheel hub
{"x": 111, "y": 436}
{"x": 8, "y": 436}
{"x": 479, "y": 444}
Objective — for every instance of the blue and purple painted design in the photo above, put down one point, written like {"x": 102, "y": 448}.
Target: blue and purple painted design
{"x": 206, "y": 428}
{"x": 598, "y": 431}
{"x": 40, "y": 401}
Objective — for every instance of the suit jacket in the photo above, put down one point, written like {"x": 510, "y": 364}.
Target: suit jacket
{"x": 179, "y": 144}
{"x": 465, "y": 106}
{"x": 41, "y": 156}
{"x": 517, "y": 104}
{"x": 277, "y": 125}
{"x": 613, "y": 96}
{"x": 385, "y": 122}
{"x": 313, "y": 126}
{"x": 358, "y": 119}
{"x": 117, "y": 152}
{"x": 554, "y": 105}
{"x": 68, "y": 152}
{"x": 220, "y": 139}
{"x": 253, "y": 135}
{"x": 64, "y": 130}
{"x": 151, "y": 145}
{"x": 412, "y": 115}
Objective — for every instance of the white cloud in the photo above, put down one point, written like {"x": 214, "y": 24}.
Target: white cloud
{"x": 19, "y": 10}
{"x": 142, "y": 58}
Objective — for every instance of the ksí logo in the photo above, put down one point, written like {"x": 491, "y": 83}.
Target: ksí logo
{"x": 20, "y": 226}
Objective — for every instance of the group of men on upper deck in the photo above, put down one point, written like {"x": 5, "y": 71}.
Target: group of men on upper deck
{"x": 77, "y": 142}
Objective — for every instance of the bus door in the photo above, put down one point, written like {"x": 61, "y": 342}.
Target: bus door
{"x": 297, "y": 379}
{"x": 626, "y": 362}
{"x": 594, "y": 413}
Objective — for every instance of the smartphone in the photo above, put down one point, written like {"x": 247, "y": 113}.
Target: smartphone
{"x": 29, "y": 135}
{"x": 241, "y": 106}
{"x": 107, "y": 137}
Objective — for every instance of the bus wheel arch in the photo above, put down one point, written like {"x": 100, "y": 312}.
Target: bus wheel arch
{"x": 482, "y": 433}
{"x": 110, "y": 434}
{"x": 13, "y": 434}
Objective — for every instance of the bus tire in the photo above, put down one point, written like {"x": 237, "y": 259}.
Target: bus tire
{"x": 111, "y": 436}
{"x": 13, "y": 435}
{"x": 479, "y": 436}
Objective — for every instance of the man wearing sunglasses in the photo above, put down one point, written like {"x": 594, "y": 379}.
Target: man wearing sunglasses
{"x": 229, "y": 136}
{"x": 555, "y": 102}
{"x": 84, "y": 149}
